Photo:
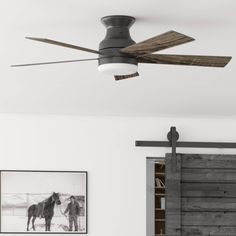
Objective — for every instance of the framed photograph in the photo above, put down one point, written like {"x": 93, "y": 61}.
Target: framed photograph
{"x": 43, "y": 202}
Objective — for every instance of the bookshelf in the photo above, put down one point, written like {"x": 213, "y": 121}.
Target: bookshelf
{"x": 159, "y": 177}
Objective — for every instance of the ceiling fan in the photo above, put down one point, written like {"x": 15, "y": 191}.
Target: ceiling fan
{"x": 119, "y": 55}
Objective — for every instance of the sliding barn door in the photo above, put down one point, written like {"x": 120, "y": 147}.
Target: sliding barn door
{"x": 201, "y": 195}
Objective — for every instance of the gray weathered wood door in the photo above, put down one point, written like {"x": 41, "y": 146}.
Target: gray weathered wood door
{"x": 201, "y": 195}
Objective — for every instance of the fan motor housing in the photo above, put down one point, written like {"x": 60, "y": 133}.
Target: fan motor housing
{"x": 117, "y": 37}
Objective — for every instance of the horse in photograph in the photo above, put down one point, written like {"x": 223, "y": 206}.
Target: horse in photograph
{"x": 47, "y": 211}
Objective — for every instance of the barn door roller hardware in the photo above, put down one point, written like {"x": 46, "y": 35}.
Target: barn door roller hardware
{"x": 172, "y": 142}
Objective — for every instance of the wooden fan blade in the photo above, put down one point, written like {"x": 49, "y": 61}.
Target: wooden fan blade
{"x": 63, "y": 44}
{"x": 120, "y": 77}
{"x": 157, "y": 43}
{"x": 188, "y": 60}
{"x": 53, "y": 62}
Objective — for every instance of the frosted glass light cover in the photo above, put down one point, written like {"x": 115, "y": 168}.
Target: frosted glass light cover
{"x": 118, "y": 68}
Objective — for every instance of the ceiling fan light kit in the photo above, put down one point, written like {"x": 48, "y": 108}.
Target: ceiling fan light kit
{"x": 119, "y": 55}
{"x": 114, "y": 68}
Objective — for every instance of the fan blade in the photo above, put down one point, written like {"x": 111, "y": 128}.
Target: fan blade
{"x": 53, "y": 62}
{"x": 120, "y": 77}
{"x": 157, "y": 43}
{"x": 188, "y": 60}
{"x": 63, "y": 44}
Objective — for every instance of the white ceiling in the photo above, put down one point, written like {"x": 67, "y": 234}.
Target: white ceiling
{"x": 77, "y": 88}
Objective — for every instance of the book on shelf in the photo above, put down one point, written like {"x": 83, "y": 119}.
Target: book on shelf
{"x": 163, "y": 203}
{"x": 159, "y": 183}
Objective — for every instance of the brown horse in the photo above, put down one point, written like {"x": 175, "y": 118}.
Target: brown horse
{"x": 48, "y": 211}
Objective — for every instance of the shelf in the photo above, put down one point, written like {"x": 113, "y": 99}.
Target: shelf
{"x": 159, "y": 173}
{"x": 159, "y": 218}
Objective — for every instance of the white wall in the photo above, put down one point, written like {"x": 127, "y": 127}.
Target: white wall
{"x": 104, "y": 146}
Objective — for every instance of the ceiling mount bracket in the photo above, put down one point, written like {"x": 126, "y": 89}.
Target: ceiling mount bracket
{"x": 117, "y": 34}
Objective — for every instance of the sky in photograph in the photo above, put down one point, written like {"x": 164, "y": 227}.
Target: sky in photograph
{"x": 43, "y": 182}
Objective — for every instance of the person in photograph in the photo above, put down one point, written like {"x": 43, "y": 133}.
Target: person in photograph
{"x": 73, "y": 210}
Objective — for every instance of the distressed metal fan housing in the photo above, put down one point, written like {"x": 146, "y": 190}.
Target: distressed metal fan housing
{"x": 119, "y": 55}
{"x": 117, "y": 37}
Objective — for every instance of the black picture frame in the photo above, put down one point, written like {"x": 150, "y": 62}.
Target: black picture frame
{"x": 67, "y": 196}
